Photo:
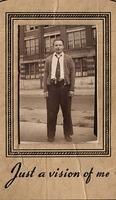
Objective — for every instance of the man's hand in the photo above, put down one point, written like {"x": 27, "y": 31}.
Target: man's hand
{"x": 71, "y": 93}
{"x": 45, "y": 94}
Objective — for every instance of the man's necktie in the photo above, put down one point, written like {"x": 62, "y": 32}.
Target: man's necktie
{"x": 58, "y": 69}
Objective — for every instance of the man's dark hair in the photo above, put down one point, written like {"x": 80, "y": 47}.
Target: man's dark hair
{"x": 58, "y": 39}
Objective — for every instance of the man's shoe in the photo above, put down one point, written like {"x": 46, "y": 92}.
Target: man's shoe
{"x": 51, "y": 139}
{"x": 68, "y": 138}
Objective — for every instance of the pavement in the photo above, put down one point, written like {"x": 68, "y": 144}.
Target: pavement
{"x": 33, "y": 122}
{"x": 36, "y": 132}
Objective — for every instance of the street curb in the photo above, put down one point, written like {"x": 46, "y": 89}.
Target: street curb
{"x": 41, "y": 93}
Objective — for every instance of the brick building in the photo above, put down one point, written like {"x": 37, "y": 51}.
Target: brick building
{"x": 36, "y": 43}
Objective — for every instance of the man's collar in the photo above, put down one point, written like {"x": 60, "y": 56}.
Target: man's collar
{"x": 59, "y": 55}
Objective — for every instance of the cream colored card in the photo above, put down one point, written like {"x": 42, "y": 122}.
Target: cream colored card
{"x": 31, "y": 167}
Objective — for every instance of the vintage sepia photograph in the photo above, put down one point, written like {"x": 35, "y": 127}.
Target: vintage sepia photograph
{"x": 57, "y": 83}
{"x": 58, "y": 98}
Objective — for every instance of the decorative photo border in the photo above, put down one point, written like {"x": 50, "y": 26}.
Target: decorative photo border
{"x": 105, "y": 18}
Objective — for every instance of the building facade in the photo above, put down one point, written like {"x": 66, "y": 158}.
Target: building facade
{"x": 36, "y": 43}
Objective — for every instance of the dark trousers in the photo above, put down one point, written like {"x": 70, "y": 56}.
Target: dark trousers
{"x": 58, "y": 95}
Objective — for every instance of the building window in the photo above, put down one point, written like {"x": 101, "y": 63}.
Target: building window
{"x": 91, "y": 66}
{"x": 31, "y": 28}
{"x": 77, "y": 39}
{"x": 70, "y": 40}
{"x": 27, "y": 71}
{"x": 32, "y": 46}
{"x": 85, "y": 66}
{"x": 48, "y": 26}
{"x": 83, "y": 38}
{"x": 94, "y": 33}
{"x": 81, "y": 66}
{"x": 36, "y": 27}
{"x": 32, "y": 70}
{"x": 49, "y": 42}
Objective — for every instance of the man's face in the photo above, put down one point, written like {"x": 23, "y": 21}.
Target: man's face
{"x": 58, "y": 46}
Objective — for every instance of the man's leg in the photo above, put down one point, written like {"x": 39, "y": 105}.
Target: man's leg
{"x": 65, "y": 102}
{"x": 52, "y": 110}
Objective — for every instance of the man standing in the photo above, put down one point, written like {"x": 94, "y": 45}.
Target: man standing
{"x": 59, "y": 79}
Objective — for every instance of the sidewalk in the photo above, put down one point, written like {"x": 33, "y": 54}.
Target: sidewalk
{"x": 35, "y": 121}
{"x": 37, "y": 132}
{"x": 33, "y": 117}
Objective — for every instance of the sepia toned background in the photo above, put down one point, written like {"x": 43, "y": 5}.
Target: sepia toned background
{"x": 58, "y": 188}
{"x": 32, "y": 104}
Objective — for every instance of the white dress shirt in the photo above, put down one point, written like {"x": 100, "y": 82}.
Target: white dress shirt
{"x": 54, "y": 65}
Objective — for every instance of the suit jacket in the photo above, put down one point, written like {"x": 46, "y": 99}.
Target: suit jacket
{"x": 69, "y": 72}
